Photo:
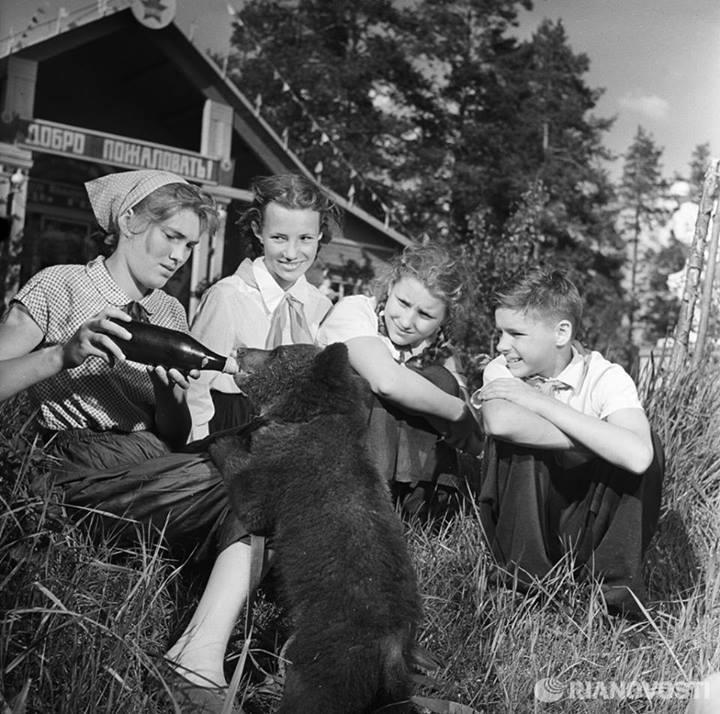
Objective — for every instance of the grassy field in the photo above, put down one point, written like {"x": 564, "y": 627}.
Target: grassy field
{"x": 83, "y": 624}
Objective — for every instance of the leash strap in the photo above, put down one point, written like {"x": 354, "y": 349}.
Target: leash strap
{"x": 257, "y": 561}
{"x": 442, "y": 706}
{"x": 257, "y": 558}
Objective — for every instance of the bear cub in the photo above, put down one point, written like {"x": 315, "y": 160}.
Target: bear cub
{"x": 344, "y": 571}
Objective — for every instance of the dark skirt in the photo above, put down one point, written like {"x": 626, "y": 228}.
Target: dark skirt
{"x": 427, "y": 476}
{"x": 231, "y": 411}
{"x": 128, "y": 484}
{"x": 534, "y": 512}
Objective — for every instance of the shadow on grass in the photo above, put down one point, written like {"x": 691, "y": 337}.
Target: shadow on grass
{"x": 672, "y": 566}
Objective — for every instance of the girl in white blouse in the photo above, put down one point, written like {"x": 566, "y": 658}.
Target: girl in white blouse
{"x": 398, "y": 341}
{"x": 267, "y": 301}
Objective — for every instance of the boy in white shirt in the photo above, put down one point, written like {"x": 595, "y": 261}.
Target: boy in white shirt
{"x": 572, "y": 465}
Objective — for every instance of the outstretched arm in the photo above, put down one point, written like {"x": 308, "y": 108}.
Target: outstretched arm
{"x": 623, "y": 438}
{"x": 371, "y": 359}
{"x": 21, "y": 367}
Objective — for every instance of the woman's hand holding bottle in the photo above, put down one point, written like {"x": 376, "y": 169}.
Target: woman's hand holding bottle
{"x": 95, "y": 338}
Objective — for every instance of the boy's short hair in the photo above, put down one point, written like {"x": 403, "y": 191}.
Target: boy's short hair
{"x": 549, "y": 293}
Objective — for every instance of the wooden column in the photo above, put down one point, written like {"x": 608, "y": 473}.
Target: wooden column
{"x": 694, "y": 267}
{"x": 706, "y": 302}
{"x": 215, "y": 141}
{"x": 14, "y": 167}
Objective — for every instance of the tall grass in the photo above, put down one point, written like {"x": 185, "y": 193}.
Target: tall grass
{"x": 84, "y": 623}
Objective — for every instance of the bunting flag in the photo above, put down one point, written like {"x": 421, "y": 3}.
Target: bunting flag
{"x": 15, "y": 39}
{"x": 33, "y": 22}
{"x": 40, "y": 18}
{"x": 62, "y": 15}
{"x": 235, "y": 15}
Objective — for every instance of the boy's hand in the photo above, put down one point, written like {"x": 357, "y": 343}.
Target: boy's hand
{"x": 511, "y": 389}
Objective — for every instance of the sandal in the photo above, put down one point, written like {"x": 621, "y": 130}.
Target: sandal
{"x": 191, "y": 698}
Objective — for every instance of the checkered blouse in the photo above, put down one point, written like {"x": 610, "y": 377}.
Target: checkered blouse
{"x": 93, "y": 395}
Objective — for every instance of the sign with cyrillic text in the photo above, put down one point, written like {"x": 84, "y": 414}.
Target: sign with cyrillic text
{"x": 86, "y": 144}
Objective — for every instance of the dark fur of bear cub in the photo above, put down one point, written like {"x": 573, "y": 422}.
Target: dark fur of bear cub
{"x": 344, "y": 570}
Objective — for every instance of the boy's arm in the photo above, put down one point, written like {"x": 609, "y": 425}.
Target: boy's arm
{"x": 623, "y": 438}
{"x": 514, "y": 423}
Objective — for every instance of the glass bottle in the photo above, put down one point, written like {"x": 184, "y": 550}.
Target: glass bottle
{"x": 156, "y": 345}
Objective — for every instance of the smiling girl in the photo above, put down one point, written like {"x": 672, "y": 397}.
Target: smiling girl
{"x": 267, "y": 301}
{"x": 398, "y": 341}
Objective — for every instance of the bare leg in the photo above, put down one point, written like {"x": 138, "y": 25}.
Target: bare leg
{"x": 200, "y": 650}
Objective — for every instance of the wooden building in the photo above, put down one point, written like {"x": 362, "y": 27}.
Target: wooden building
{"x": 116, "y": 94}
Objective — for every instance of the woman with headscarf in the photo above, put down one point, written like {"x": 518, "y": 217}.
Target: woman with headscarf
{"x": 114, "y": 423}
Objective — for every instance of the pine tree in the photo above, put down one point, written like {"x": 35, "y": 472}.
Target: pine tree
{"x": 466, "y": 134}
{"x": 335, "y": 80}
{"x": 641, "y": 191}
{"x": 699, "y": 163}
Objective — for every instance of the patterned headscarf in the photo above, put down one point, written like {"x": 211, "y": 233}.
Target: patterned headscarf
{"x": 111, "y": 195}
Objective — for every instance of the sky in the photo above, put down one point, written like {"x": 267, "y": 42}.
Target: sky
{"x": 657, "y": 60}
{"x": 659, "y": 64}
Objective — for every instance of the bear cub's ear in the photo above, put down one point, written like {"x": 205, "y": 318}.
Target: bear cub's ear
{"x": 334, "y": 358}
{"x": 332, "y": 366}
